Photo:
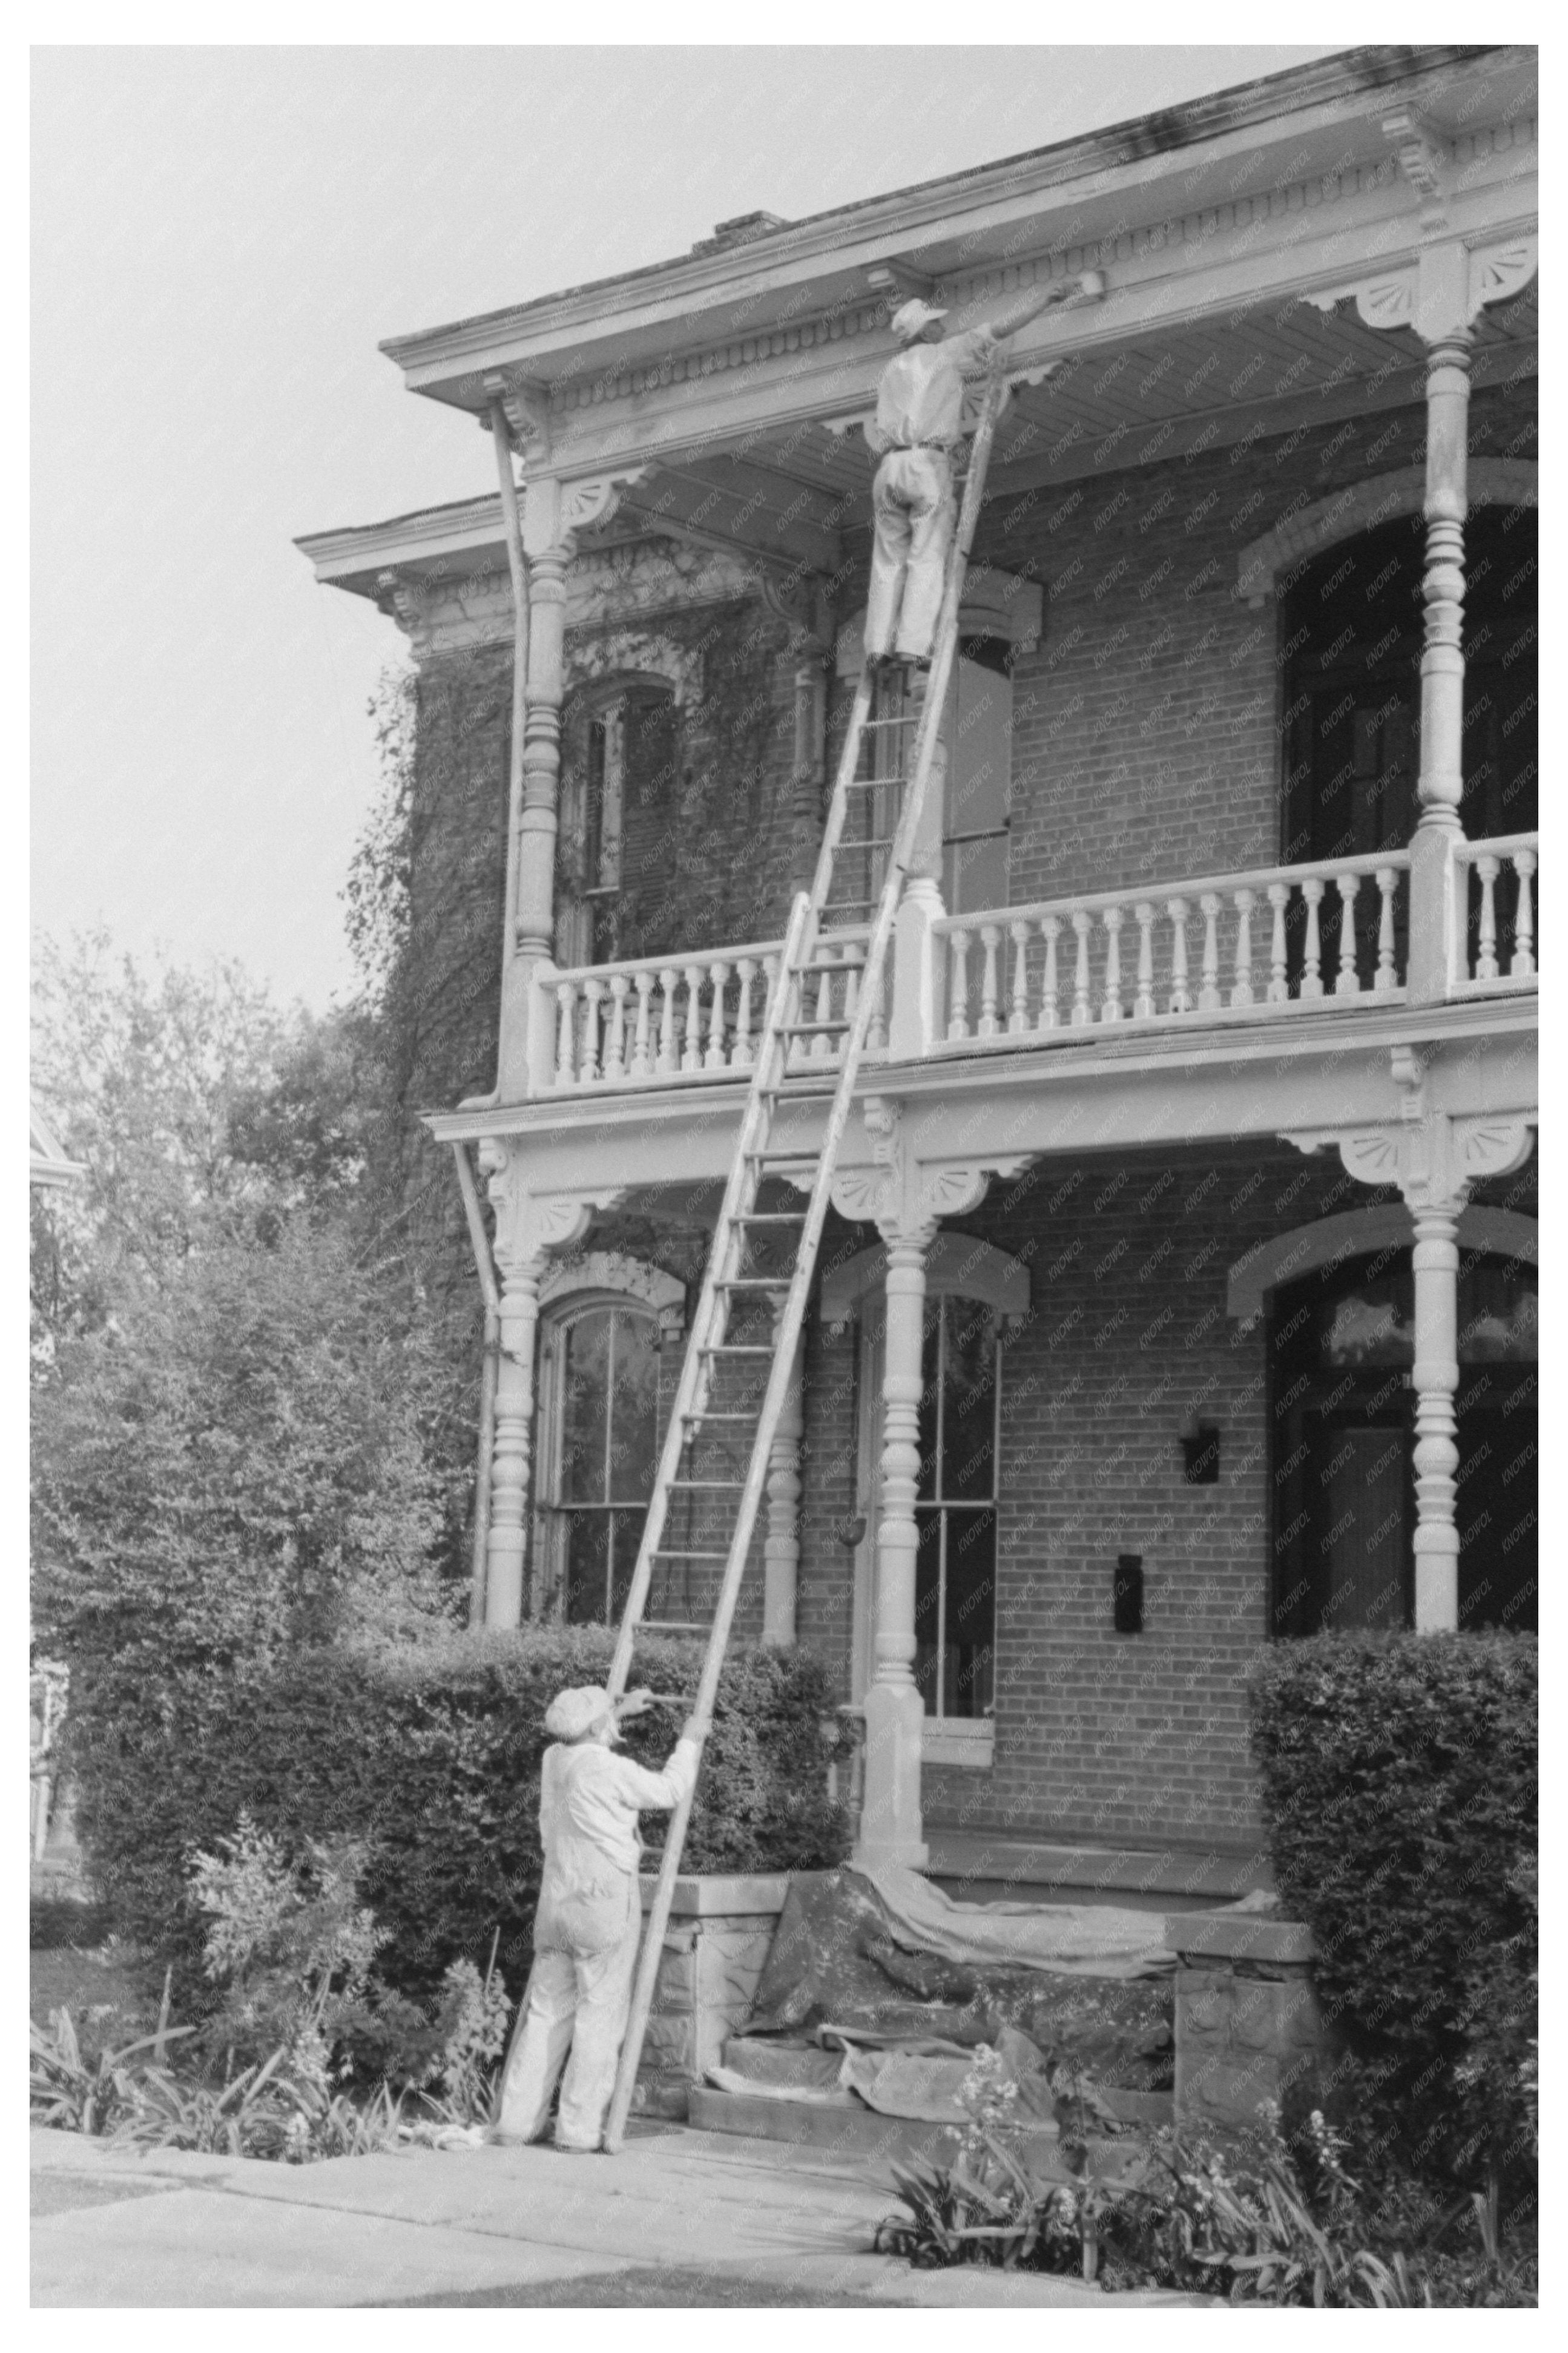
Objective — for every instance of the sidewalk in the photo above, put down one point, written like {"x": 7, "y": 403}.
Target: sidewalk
{"x": 678, "y": 2216}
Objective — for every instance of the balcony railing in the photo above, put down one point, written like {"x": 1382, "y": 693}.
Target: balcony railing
{"x": 1498, "y": 881}
{"x": 1224, "y": 942}
{"x": 665, "y": 1019}
{"x": 1274, "y": 943}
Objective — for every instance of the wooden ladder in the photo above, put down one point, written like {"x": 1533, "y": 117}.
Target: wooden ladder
{"x": 747, "y": 1269}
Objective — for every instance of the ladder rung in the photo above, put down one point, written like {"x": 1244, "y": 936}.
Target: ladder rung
{"x": 737, "y": 1348}
{"x": 769, "y": 1217}
{"x": 755, "y": 1282}
{"x": 693, "y": 1415}
{"x": 908, "y": 720}
{"x": 877, "y": 841}
{"x": 707, "y": 1486}
{"x": 811, "y": 1030}
{"x": 674, "y": 1626}
{"x": 663, "y": 1555}
{"x": 841, "y": 907}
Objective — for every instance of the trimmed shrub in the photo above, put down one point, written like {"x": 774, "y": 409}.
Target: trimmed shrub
{"x": 1399, "y": 1782}
{"x": 429, "y": 1757}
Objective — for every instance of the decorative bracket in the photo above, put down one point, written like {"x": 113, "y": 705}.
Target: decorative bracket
{"x": 526, "y": 409}
{"x": 1423, "y": 157}
{"x": 592, "y": 503}
{"x": 1440, "y": 293}
{"x": 405, "y": 601}
{"x": 1434, "y": 1161}
{"x": 901, "y": 1195}
{"x": 530, "y": 1225}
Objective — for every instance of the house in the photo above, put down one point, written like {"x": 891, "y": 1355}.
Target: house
{"x": 1180, "y": 1295}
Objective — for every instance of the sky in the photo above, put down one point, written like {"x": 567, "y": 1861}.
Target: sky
{"x": 221, "y": 237}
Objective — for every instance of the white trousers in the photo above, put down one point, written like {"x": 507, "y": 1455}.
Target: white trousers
{"x": 913, "y": 511}
{"x": 577, "y": 2001}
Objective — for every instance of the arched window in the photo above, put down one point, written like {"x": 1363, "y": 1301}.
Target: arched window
{"x": 1350, "y": 640}
{"x": 1341, "y": 1347}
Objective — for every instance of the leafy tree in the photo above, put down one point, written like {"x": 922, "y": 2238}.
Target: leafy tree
{"x": 245, "y": 1434}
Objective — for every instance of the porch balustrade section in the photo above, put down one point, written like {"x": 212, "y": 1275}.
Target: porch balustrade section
{"x": 1499, "y": 887}
{"x": 658, "y": 1019}
{"x": 1189, "y": 951}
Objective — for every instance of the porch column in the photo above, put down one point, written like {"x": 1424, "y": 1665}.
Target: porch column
{"x": 781, "y": 1545}
{"x": 549, "y": 551}
{"x": 528, "y": 1228}
{"x": 1442, "y": 782}
{"x": 1436, "y": 1380}
{"x": 890, "y": 1829}
{"x": 511, "y": 1462}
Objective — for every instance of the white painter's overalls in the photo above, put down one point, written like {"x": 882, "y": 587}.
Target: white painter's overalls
{"x": 920, "y": 420}
{"x": 585, "y": 1935}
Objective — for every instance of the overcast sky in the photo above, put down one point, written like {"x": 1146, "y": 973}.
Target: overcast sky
{"x": 221, "y": 237}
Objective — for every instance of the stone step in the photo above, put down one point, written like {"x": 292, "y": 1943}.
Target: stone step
{"x": 850, "y": 2130}
{"x": 767, "y": 2060}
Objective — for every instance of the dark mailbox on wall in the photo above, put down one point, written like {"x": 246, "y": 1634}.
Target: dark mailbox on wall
{"x": 1127, "y": 1593}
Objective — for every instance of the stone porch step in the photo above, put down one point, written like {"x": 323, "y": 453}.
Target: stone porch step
{"x": 976, "y": 1868}
{"x": 767, "y": 2060}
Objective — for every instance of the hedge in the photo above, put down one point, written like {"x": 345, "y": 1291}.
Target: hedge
{"x": 1399, "y": 1785}
{"x": 430, "y": 1757}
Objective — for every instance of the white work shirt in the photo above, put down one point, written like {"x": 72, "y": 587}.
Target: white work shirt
{"x": 920, "y": 399}
{"x": 590, "y": 1799}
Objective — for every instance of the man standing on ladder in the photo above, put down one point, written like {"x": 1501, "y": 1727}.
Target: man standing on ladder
{"x": 590, "y": 1913}
{"x": 919, "y": 422}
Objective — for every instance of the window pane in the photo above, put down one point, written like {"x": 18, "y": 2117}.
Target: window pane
{"x": 968, "y": 1428}
{"x": 928, "y": 1633}
{"x": 970, "y": 1631}
{"x": 585, "y": 1553}
{"x": 585, "y": 1393}
{"x": 627, "y": 1536}
{"x": 634, "y": 1433}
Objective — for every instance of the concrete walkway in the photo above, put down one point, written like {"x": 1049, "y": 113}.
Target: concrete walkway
{"x": 114, "y": 2229}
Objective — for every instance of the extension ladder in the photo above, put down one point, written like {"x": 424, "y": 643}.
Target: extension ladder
{"x": 745, "y": 1272}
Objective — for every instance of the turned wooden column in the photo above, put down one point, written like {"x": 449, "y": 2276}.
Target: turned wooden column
{"x": 511, "y": 1463}
{"x": 549, "y": 550}
{"x": 781, "y": 1545}
{"x": 890, "y": 1829}
{"x": 1441, "y": 783}
{"x": 1436, "y": 1379}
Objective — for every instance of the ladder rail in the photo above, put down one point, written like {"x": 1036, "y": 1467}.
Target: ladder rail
{"x": 790, "y": 1320}
{"x": 711, "y": 1316}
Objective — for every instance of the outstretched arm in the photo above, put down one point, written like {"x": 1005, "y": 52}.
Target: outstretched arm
{"x": 1064, "y": 289}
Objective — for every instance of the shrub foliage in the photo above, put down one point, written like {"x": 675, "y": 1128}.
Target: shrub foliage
{"x": 428, "y": 1757}
{"x": 1399, "y": 1781}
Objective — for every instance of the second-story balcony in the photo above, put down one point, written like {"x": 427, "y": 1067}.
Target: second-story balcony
{"x": 1168, "y": 957}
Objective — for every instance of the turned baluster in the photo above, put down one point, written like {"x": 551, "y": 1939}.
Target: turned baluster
{"x": 565, "y": 998}
{"x": 958, "y": 980}
{"x": 1018, "y": 1018}
{"x": 1209, "y": 997}
{"x": 641, "y": 1063}
{"x": 1347, "y": 981}
{"x": 821, "y": 1044}
{"x": 1181, "y": 994}
{"x": 1241, "y": 988}
{"x": 1111, "y": 1006}
{"x": 669, "y": 981}
{"x": 1522, "y": 961}
{"x": 990, "y": 939}
{"x": 1083, "y": 1011}
{"x": 615, "y": 1036}
{"x": 1143, "y": 1003}
{"x": 1050, "y": 1014}
{"x": 691, "y": 1032}
{"x": 713, "y": 1058}
{"x": 877, "y": 1029}
{"x": 1313, "y": 945}
{"x": 1279, "y": 989}
{"x": 1386, "y": 978}
{"x": 593, "y": 990}
{"x": 740, "y": 1052}
{"x": 1487, "y": 871}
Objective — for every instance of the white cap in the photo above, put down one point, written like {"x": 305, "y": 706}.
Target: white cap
{"x": 573, "y": 1714}
{"x": 915, "y": 315}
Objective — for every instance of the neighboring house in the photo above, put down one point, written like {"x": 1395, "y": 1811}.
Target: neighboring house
{"x": 48, "y": 1167}
{"x": 1203, "y": 1096}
